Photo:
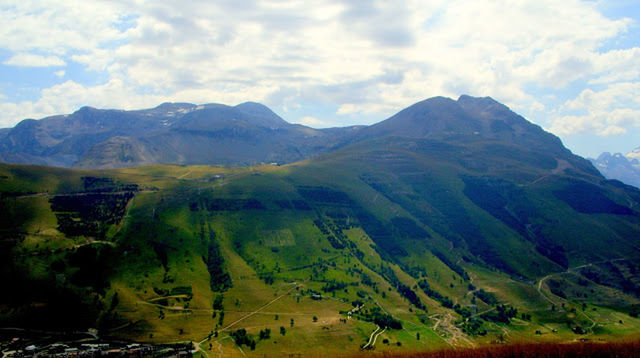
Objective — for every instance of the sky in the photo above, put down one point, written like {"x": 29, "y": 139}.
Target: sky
{"x": 572, "y": 67}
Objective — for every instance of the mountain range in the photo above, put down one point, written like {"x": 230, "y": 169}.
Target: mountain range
{"x": 625, "y": 168}
{"x": 452, "y": 223}
{"x": 246, "y": 134}
{"x": 178, "y": 133}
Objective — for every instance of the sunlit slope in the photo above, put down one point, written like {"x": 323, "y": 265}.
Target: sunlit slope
{"x": 519, "y": 210}
{"x": 438, "y": 240}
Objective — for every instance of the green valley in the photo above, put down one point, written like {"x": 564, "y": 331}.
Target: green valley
{"x": 390, "y": 243}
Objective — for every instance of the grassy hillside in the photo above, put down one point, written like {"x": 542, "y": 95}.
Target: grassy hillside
{"x": 390, "y": 244}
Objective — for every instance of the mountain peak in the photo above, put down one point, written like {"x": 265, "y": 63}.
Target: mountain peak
{"x": 262, "y": 114}
{"x": 440, "y": 117}
{"x": 604, "y": 156}
{"x": 169, "y": 106}
{"x": 620, "y": 167}
{"x": 436, "y": 116}
{"x": 86, "y": 109}
{"x": 465, "y": 98}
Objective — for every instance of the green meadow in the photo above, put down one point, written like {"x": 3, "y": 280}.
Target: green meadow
{"x": 314, "y": 257}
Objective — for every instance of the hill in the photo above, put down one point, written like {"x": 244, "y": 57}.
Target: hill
{"x": 416, "y": 233}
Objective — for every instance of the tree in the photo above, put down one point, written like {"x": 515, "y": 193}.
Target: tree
{"x": 418, "y": 335}
{"x": 221, "y": 318}
{"x": 265, "y": 334}
{"x": 217, "y": 302}
{"x": 283, "y": 330}
{"x": 291, "y": 323}
{"x": 315, "y": 319}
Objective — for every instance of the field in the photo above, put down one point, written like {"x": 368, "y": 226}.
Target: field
{"x": 388, "y": 253}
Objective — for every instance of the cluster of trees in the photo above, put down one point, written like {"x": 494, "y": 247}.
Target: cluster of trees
{"x": 103, "y": 184}
{"x": 406, "y": 291}
{"x": 220, "y": 204}
{"x": 324, "y": 195}
{"x": 452, "y": 265}
{"x": 380, "y": 318}
{"x": 408, "y": 228}
{"x": 90, "y": 214}
{"x": 218, "y": 307}
{"x": 219, "y": 279}
{"x": 293, "y": 204}
{"x": 486, "y": 297}
{"x": 334, "y": 285}
{"x": 241, "y": 338}
{"x": 502, "y": 314}
{"x": 321, "y": 226}
{"x": 473, "y": 327}
{"x": 444, "y": 300}
{"x": 264, "y": 334}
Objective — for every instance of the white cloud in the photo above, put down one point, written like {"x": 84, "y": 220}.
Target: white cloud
{"x": 371, "y": 57}
{"x": 60, "y": 73}
{"x": 57, "y": 27}
{"x": 607, "y": 112}
{"x": 617, "y": 95}
{"x": 612, "y": 131}
{"x": 32, "y": 60}
{"x": 312, "y": 122}
{"x": 601, "y": 123}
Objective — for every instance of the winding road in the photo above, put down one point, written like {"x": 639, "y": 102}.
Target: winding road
{"x": 373, "y": 337}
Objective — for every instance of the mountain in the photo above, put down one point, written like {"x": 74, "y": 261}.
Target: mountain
{"x": 452, "y": 223}
{"x": 178, "y": 133}
{"x": 620, "y": 167}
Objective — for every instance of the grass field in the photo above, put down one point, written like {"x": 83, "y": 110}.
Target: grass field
{"x": 320, "y": 253}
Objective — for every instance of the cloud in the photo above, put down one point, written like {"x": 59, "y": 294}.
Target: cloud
{"x": 57, "y": 27}
{"x": 312, "y": 122}
{"x": 608, "y": 112}
{"x": 612, "y": 131}
{"x": 617, "y": 95}
{"x": 601, "y": 123}
{"x": 32, "y": 60}
{"x": 372, "y": 57}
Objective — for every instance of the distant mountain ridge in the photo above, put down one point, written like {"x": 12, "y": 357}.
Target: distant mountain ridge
{"x": 625, "y": 168}
{"x": 251, "y": 133}
{"x": 177, "y": 133}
